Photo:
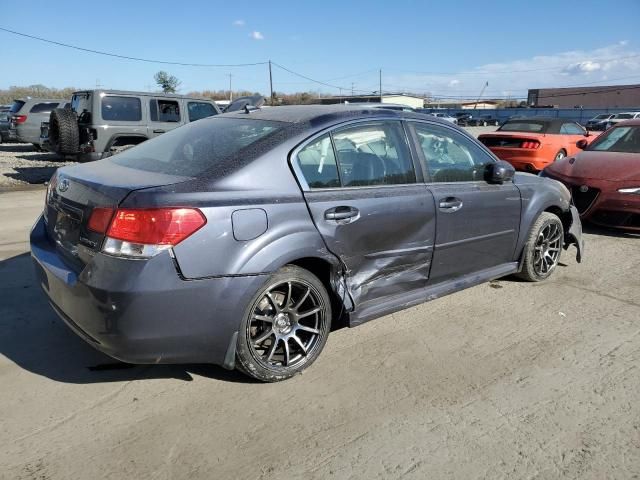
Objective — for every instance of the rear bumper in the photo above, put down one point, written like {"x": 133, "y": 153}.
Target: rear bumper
{"x": 524, "y": 160}
{"x": 141, "y": 311}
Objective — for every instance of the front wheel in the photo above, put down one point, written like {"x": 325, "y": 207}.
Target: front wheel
{"x": 543, "y": 247}
{"x": 285, "y": 327}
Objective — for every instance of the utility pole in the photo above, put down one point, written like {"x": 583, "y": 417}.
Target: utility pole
{"x": 271, "y": 82}
{"x": 352, "y": 89}
{"x": 230, "y": 91}
{"x": 380, "y": 85}
{"x": 479, "y": 96}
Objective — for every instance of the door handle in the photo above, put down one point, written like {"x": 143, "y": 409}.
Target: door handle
{"x": 341, "y": 213}
{"x": 158, "y": 131}
{"x": 450, "y": 204}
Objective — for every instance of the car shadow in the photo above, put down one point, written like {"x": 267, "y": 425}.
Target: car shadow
{"x": 592, "y": 229}
{"x": 32, "y": 175}
{"x": 16, "y": 147}
{"x": 35, "y": 339}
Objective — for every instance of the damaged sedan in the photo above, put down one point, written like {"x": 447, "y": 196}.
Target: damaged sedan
{"x": 240, "y": 239}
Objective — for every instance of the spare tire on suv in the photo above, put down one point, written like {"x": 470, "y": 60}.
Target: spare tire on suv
{"x": 64, "y": 134}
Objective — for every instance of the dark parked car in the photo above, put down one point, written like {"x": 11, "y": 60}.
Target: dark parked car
{"x": 463, "y": 118}
{"x": 239, "y": 239}
{"x": 483, "y": 121}
{"x": 605, "y": 177}
{"x": 5, "y": 120}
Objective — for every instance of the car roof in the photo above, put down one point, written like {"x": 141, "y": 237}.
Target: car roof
{"x": 315, "y": 114}
{"x": 635, "y": 122}
{"x": 142, "y": 94}
{"x": 550, "y": 120}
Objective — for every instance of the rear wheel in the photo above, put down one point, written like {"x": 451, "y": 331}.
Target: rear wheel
{"x": 560, "y": 155}
{"x": 285, "y": 327}
{"x": 543, "y": 247}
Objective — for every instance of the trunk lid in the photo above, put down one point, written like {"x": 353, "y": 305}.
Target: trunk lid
{"x": 75, "y": 191}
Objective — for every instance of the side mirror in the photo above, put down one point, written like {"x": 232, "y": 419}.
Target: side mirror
{"x": 499, "y": 172}
{"x": 582, "y": 143}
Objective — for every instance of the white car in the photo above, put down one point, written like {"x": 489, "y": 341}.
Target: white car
{"x": 621, "y": 117}
{"x": 445, "y": 116}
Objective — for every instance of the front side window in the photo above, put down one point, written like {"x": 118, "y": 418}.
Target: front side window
{"x": 449, "y": 155}
{"x": 373, "y": 154}
{"x": 43, "y": 107}
{"x": 121, "y": 109}
{"x": 198, "y": 110}
{"x": 571, "y": 129}
{"x": 318, "y": 163}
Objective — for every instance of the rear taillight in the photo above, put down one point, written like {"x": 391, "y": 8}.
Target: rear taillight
{"x": 100, "y": 219}
{"x": 144, "y": 232}
{"x": 530, "y": 144}
{"x": 18, "y": 119}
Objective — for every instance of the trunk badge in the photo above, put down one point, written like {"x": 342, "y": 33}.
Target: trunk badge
{"x": 63, "y": 186}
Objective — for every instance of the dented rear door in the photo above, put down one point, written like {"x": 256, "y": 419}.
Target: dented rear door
{"x": 383, "y": 233}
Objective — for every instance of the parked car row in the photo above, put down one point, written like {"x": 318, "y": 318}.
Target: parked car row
{"x": 602, "y": 172}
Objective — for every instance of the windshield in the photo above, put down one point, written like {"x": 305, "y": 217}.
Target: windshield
{"x": 619, "y": 139}
{"x": 195, "y": 148}
{"x": 524, "y": 126}
{"x": 601, "y": 117}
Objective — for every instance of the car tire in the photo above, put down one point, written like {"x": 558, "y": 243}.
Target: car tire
{"x": 484, "y": 124}
{"x": 543, "y": 248}
{"x": 64, "y": 134}
{"x": 278, "y": 336}
{"x": 560, "y": 155}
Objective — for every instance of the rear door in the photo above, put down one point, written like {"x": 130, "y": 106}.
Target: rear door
{"x": 477, "y": 222}
{"x": 360, "y": 184}
{"x": 164, "y": 114}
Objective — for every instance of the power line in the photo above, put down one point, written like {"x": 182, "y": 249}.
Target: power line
{"x": 126, "y": 57}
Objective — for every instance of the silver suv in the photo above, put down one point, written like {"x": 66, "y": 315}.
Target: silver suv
{"x": 100, "y": 123}
{"x": 26, "y": 115}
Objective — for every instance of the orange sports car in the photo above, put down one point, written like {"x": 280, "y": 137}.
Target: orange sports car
{"x": 530, "y": 144}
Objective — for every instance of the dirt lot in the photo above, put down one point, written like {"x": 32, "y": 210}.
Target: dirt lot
{"x": 505, "y": 380}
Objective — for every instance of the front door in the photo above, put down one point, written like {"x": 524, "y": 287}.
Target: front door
{"x": 362, "y": 194}
{"x": 477, "y": 222}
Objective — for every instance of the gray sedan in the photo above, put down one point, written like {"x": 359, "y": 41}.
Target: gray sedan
{"x": 240, "y": 239}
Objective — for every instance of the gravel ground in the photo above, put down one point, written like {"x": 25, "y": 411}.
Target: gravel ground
{"x": 506, "y": 380}
{"x": 21, "y": 164}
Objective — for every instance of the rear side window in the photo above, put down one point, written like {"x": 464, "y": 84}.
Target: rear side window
{"x": 373, "y": 154}
{"x": 571, "y": 129}
{"x": 449, "y": 155}
{"x": 198, "y": 110}
{"x": 164, "y": 110}
{"x": 223, "y": 143}
{"x": 318, "y": 164}
{"x": 121, "y": 109}
{"x": 17, "y": 105}
{"x": 44, "y": 107}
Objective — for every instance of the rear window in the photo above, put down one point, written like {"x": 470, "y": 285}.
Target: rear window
{"x": 197, "y": 147}
{"x": 17, "y": 105}
{"x": 524, "y": 126}
{"x": 121, "y": 109}
{"x": 198, "y": 110}
{"x": 44, "y": 107}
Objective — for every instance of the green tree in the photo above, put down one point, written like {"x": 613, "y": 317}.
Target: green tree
{"x": 168, "y": 83}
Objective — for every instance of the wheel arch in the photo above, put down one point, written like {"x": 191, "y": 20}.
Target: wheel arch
{"x": 120, "y": 139}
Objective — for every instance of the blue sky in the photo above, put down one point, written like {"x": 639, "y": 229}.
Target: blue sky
{"x": 446, "y": 48}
